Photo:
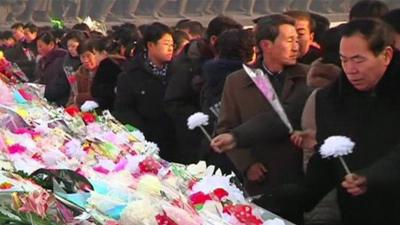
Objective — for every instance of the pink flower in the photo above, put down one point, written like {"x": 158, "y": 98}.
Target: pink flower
{"x": 35, "y": 202}
{"x": 16, "y": 149}
{"x": 111, "y": 222}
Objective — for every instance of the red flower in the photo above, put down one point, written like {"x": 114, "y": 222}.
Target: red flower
{"x": 220, "y": 193}
{"x": 149, "y": 165}
{"x": 88, "y": 117}
{"x": 244, "y": 213}
{"x": 163, "y": 219}
{"x": 72, "y": 110}
{"x": 199, "y": 198}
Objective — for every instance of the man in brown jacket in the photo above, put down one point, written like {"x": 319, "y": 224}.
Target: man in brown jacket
{"x": 275, "y": 162}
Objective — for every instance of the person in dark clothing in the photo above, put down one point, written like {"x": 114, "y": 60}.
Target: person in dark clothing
{"x": 363, "y": 104}
{"x": 234, "y": 47}
{"x": 72, "y": 61}
{"x": 182, "y": 97}
{"x": 23, "y": 53}
{"x": 50, "y": 70}
{"x": 308, "y": 53}
{"x": 96, "y": 78}
{"x": 140, "y": 91}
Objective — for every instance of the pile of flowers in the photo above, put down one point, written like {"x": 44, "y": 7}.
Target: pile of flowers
{"x": 129, "y": 182}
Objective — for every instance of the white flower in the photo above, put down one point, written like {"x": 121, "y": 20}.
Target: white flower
{"x": 336, "y": 146}
{"x": 196, "y": 120}
{"x": 89, "y": 106}
{"x": 141, "y": 211}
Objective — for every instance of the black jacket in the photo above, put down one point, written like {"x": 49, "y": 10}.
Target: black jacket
{"x": 182, "y": 98}
{"x": 51, "y": 73}
{"x": 19, "y": 55}
{"x": 139, "y": 102}
{"x": 371, "y": 120}
{"x": 104, "y": 83}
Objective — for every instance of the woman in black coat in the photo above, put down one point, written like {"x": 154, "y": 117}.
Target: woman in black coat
{"x": 99, "y": 80}
{"x": 50, "y": 70}
{"x": 140, "y": 91}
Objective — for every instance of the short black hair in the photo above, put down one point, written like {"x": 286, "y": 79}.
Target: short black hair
{"x": 81, "y": 26}
{"x": 368, "y": 9}
{"x": 31, "y": 27}
{"x": 46, "y": 37}
{"x": 219, "y": 24}
{"x": 179, "y": 37}
{"x": 107, "y": 44}
{"x": 155, "y": 32}
{"x": 17, "y": 25}
{"x": 377, "y": 33}
{"x": 7, "y": 35}
{"x": 267, "y": 27}
{"x": 302, "y": 15}
{"x": 392, "y": 18}
{"x": 194, "y": 27}
{"x": 236, "y": 44}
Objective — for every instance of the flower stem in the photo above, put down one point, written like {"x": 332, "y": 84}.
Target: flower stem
{"x": 344, "y": 165}
{"x": 205, "y": 133}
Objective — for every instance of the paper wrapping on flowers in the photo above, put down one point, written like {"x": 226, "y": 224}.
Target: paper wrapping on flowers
{"x": 132, "y": 184}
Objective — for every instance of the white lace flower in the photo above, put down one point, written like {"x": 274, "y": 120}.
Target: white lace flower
{"x": 196, "y": 120}
{"x": 89, "y": 106}
{"x": 335, "y": 146}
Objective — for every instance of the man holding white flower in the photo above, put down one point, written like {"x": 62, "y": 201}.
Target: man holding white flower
{"x": 363, "y": 105}
{"x": 276, "y": 161}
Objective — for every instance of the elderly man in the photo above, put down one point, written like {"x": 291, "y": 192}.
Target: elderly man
{"x": 364, "y": 106}
{"x": 275, "y": 162}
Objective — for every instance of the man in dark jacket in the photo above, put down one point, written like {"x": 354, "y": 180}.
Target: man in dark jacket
{"x": 275, "y": 161}
{"x": 140, "y": 91}
{"x": 364, "y": 105}
{"x": 182, "y": 97}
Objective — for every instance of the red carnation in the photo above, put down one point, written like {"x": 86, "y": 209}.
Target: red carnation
{"x": 88, "y": 117}
{"x": 72, "y": 110}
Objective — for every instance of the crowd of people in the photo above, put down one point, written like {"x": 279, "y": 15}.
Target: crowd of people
{"x": 330, "y": 81}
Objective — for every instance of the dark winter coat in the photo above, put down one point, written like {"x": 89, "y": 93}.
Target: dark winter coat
{"x": 19, "y": 55}
{"x": 312, "y": 54}
{"x": 139, "y": 102}
{"x": 371, "y": 120}
{"x": 51, "y": 73}
{"x": 182, "y": 98}
{"x": 104, "y": 83}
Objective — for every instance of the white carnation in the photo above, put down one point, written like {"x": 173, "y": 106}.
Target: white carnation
{"x": 196, "y": 120}
{"x": 89, "y": 106}
{"x": 335, "y": 146}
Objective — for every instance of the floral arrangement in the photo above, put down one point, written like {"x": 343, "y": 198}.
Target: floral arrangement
{"x": 129, "y": 182}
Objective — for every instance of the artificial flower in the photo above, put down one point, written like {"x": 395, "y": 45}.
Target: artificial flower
{"x": 35, "y": 202}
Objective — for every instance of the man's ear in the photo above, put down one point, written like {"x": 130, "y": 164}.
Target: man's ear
{"x": 312, "y": 36}
{"x": 387, "y": 55}
{"x": 213, "y": 40}
{"x": 266, "y": 44}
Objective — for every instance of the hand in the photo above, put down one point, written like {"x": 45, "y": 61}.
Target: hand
{"x": 304, "y": 139}
{"x": 355, "y": 184}
{"x": 223, "y": 142}
{"x": 256, "y": 172}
